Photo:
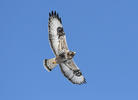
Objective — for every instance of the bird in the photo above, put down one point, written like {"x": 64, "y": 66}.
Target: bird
{"x": 63, "y": 56}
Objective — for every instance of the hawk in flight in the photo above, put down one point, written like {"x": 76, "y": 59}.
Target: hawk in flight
{"x": 63, "y": 56}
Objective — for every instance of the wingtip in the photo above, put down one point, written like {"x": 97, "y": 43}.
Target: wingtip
{"x": 49, "y": 14}
{"x": 84, "y": 82}
{"x": 57, "y": 16}
{"x": 54, "y": 14}
{"x": 60, "y": 20}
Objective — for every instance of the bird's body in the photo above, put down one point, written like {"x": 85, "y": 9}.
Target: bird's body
{"x": 63, "y": 55}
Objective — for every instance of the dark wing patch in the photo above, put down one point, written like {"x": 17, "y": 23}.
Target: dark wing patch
{"x": 77, "y": 72}
{"x": 72, "y": 73}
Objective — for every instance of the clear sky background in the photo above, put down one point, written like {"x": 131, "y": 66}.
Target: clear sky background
{"x": 104, "y": 33}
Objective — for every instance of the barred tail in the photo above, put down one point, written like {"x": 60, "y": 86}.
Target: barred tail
{"x": 49, "y": 64}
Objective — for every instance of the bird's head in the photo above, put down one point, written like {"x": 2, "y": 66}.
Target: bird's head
{"x": 71, "y": 54}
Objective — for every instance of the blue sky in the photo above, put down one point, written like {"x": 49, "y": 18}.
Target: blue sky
{"x": 104, "y": 33}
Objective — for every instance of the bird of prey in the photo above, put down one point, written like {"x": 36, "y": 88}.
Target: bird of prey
{"x": 64, "y": 57}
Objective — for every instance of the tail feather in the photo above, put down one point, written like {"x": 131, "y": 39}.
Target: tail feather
{"x": 49, "y": 64}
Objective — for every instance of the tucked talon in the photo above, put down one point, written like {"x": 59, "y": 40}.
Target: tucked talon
{"x": 54, "y": 62}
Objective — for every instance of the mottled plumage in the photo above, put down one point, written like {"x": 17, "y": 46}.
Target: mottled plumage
{"x": 64, "y": 57}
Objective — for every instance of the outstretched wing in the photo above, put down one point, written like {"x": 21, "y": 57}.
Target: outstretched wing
{"x": 56, "y": 33}
{"x": 72, "y": 72}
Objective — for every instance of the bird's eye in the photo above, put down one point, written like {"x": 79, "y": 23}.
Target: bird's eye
{"x": 59, "y": 29}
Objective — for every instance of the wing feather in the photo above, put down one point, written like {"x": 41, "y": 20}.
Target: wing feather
{"x": 72, "y": 72}
{"x": 57, "y": 44}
